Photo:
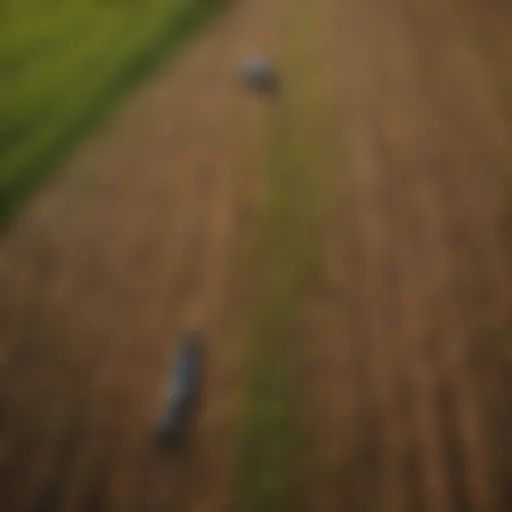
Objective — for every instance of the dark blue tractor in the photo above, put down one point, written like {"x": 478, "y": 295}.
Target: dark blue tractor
{"x": 181, "y": 390}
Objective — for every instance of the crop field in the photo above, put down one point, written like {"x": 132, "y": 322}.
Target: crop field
{"x": 63, "y": 62}
{"x": 343, "y": 245}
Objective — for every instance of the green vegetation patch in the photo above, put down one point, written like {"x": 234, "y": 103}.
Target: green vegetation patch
{"x": 283, "y": 262}
{"x": 62, "y": 66}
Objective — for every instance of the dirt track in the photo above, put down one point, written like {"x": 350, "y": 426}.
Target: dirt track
{"x": 403, "y": 336}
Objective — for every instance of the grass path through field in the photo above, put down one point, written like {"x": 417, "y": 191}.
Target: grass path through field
{"x": 301, "y": 154}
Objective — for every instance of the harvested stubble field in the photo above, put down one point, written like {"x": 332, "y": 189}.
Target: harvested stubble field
{"x": 345, "y": 246}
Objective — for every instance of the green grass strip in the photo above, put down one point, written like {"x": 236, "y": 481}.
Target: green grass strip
{"x": 285, "y": 260}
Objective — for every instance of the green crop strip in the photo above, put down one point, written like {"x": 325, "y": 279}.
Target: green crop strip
{"x": 57, "y": 83}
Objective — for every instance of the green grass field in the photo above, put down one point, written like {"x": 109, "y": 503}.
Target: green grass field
{"x": 62, "y": 63}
